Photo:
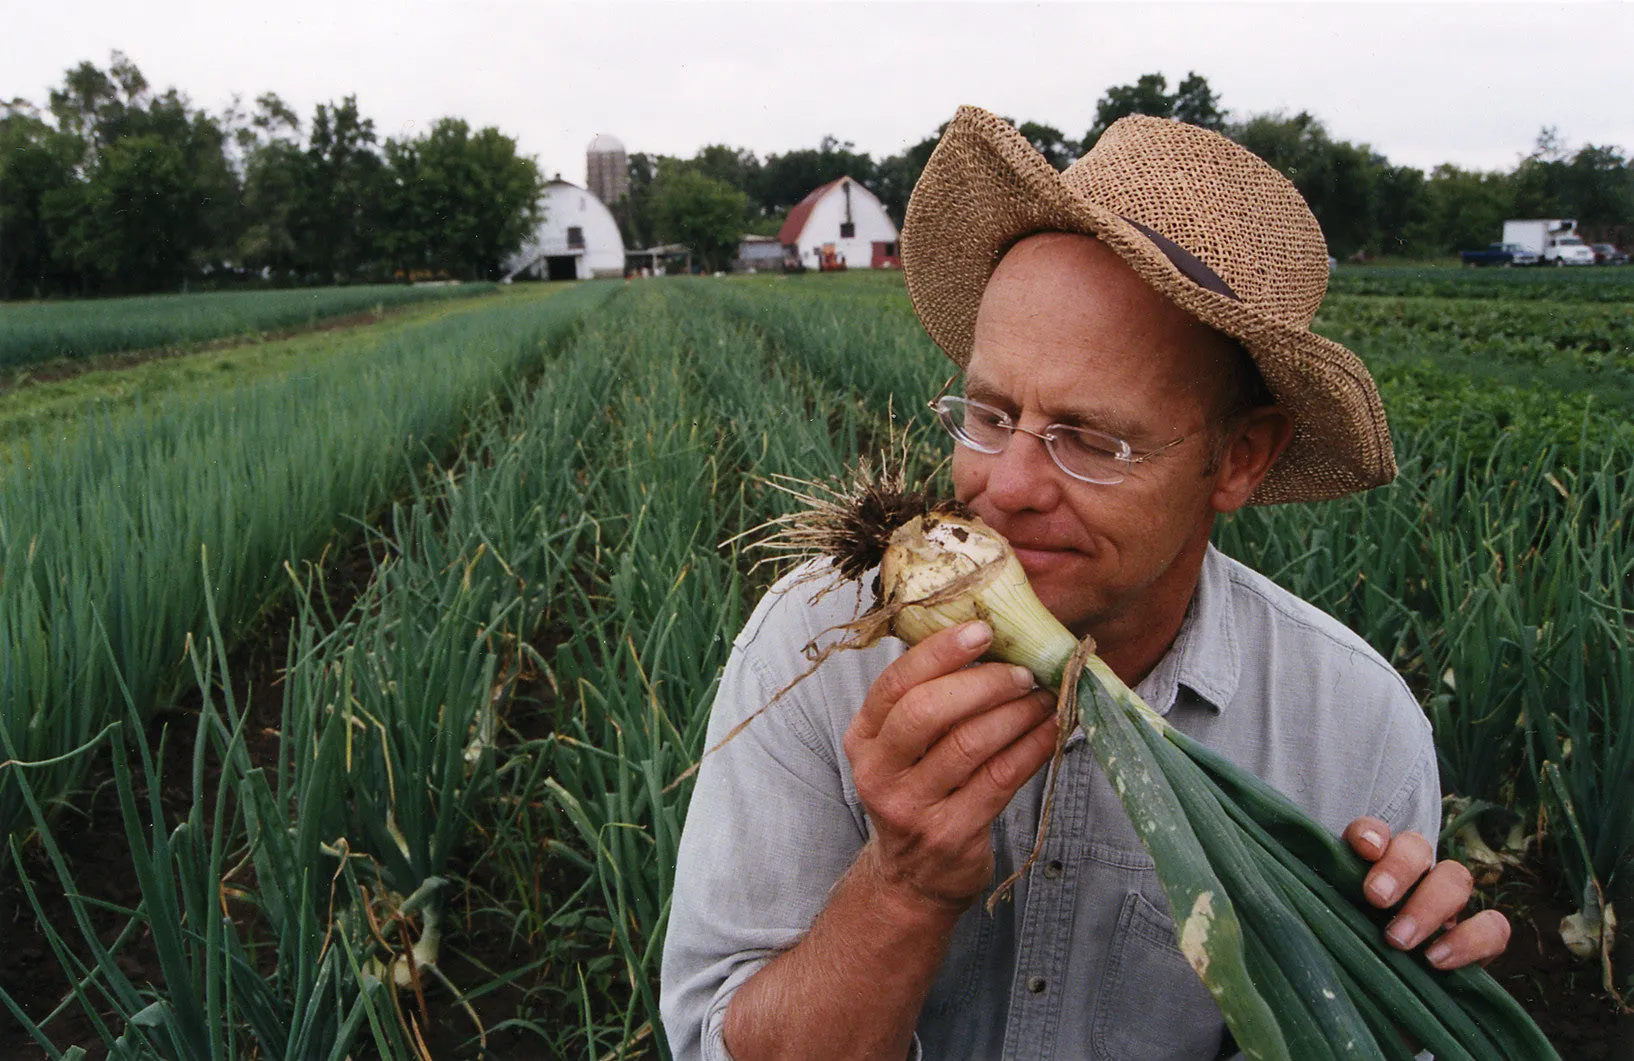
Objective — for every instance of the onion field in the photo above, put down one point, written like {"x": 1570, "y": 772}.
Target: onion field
{"x": 347, "y": 713}
{"x": 31, "y": 332}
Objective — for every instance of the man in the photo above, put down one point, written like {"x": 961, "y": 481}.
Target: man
{"x": 1134, "y": 335}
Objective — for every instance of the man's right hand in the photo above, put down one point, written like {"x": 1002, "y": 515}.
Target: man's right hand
{"x": 937, "y": 751}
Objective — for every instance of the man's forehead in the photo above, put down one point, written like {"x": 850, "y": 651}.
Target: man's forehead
{"x": 1063, "y": 273}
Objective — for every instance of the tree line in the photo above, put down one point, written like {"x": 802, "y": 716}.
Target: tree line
{"x": 1367, "y": 206}
{"x": 113, "y": 188}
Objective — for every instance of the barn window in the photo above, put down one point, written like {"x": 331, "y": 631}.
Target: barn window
{"x": 575, "y": 238}
{"x": 848, "y": 230}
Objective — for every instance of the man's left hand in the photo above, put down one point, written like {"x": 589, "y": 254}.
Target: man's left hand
{"x": 1436, "y": 894}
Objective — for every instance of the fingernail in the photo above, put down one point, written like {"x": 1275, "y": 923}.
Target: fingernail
{"x": 1382, "y": 887}
{"x": 975, "y": 635}
{"x": 1023, "y": 677}
{"x": 1403, "y": 931}
{"x": 1372, "y": 837}
{"x": 1439, "y": 952}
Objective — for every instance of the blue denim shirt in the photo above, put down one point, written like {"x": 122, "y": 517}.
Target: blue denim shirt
{"x": 1082, "y": 961}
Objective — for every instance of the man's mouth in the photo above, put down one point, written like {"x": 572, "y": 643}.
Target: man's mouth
{"x": 1038, "y": 558}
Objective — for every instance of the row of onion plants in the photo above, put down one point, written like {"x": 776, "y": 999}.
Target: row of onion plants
{"x": 575, "y": 548}
{"x": 40, "y": 331}
{"x": 710, "y": 410}
{"x": 102, "y": 529}
{"x": 306, "y": 915}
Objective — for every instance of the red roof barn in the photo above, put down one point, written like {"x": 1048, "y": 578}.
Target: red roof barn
{"x": 847, "y": 222}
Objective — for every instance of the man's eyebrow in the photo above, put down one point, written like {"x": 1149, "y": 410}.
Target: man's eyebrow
{"x": 1096, "y": 420}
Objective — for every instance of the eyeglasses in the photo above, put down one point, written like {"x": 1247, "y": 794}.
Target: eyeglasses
{"x": 1087, "y": 455}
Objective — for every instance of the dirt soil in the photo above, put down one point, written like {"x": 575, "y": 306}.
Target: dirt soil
{"x": 1563, "y": 994}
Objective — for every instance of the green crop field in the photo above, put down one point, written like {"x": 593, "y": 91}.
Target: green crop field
{"x": 31, "y": 332}
{"x": 431, "y": 623}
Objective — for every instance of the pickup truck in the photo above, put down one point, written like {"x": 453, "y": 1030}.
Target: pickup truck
{"x": 1500, "y": 254}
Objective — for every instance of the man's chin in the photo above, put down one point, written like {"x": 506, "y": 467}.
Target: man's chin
{"x": 1064, "y": 598}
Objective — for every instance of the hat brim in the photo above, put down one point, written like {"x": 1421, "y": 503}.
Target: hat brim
{"x": 985, "y": 187}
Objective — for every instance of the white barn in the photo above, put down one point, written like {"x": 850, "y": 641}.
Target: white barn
{"x": 846, "y": 220}
{"x": 577, "y": 240}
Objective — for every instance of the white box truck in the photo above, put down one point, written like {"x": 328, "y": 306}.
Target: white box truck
{"x": 1554, "y": 240}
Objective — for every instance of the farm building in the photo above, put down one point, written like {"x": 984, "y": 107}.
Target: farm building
{"x": 577, "y": 240}
{"x": 758, "y": 254}
{"x": 607, "y": 169}
{"x": 843, "y": 221}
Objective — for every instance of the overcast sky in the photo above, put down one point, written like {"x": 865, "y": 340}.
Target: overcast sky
{"x": 1469, "y": 83}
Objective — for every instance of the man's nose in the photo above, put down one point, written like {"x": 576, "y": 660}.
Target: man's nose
{"x": 1024, "y": 476}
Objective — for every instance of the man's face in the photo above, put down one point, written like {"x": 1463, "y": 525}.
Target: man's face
{"x": 1067, "y": 333}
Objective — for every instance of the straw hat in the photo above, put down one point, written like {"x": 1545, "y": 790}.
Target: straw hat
{"x": 1205, "y": 222}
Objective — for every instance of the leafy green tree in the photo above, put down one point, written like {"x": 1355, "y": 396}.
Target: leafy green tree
{"x": 274, "y": 165}
{"x": 734, "y": 166}
{"x": 215, "y": 220}
{"x": 1538, "y": 184}
{"x": 1148, "y": 95}
{"x": 340, "y": 187}
{"x": 457, "y": 202}
{"x": 132, "y": 225}
{"x": 36, "y": 163}
{"x": 1338, "y": 179}
{"x": 895, "y": 176}
{"x": 1598, "y": 187}
{"x": 1193, "y": 101}
{"x": 787, "y": 178}
{"x": 1463, "y": 209}
{"x": 1400, "y": 209}
{"x": 1592, "y": 184}
{"x": 634, "y": 212}
{"x": 126, "y": 144}
{"x": 94, "y": 106}
{"x": 705, "y": 214}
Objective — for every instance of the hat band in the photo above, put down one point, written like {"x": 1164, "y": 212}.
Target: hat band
{"x": 1190, "y": 266}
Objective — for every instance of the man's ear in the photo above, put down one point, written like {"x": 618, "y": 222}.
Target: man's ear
{"x": 1251, "y": 448}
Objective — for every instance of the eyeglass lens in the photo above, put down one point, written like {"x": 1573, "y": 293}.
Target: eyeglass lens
{"x": 1080, "y": 452}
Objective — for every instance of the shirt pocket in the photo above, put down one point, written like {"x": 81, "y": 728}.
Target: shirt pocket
{"x": 1151, "y": 1003}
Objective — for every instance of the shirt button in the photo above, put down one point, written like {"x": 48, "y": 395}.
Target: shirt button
{"x": 1036, "y": 985}
{"x": 1052, "y": 870}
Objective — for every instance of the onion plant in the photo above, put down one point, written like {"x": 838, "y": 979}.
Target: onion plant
{"x": 215, "y": 1001}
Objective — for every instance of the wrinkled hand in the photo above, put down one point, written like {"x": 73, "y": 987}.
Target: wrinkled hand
{"x": 1436, "y": 893}
{"x": 937, "y": 751}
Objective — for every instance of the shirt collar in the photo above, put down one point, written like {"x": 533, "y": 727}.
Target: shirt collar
{"x": 1204, "y": 656}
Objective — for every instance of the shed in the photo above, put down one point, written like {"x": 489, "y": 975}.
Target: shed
{"x": 845, "y": 220}
{"x": 577, "y": 240}
{"x": 758, "y": 254}
{"x": 658, "y": 261}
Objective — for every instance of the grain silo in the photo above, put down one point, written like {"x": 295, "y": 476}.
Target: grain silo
{"x": 607, "y": 169}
